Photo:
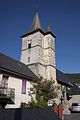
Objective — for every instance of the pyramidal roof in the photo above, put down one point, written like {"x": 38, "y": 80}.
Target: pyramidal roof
{"x": 48, "y": 28}
{"x": 36, "y": 24}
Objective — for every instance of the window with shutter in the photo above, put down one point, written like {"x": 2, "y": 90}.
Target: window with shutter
{"x": 23, "y": 86}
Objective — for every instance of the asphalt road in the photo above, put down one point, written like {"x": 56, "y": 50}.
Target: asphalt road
{"x": 72, "y": 116}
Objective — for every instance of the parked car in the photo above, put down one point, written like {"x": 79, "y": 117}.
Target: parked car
{"x": 75, "y": 107}
{"x": 51, "y": 102}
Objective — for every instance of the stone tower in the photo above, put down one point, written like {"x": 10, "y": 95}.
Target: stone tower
{"x": 38, "y": 50}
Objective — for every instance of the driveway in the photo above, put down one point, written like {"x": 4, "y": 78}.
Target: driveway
{"x": 72, "y": 116}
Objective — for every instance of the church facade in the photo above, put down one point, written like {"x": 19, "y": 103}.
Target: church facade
{"x": 38, "y": 50}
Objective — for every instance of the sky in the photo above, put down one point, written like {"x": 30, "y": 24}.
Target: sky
{"x": 64, "y": 18}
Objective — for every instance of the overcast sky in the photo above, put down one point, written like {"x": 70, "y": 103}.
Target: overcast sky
{"x": 64, "y": 18}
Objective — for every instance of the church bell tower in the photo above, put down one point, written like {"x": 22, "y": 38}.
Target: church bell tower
{"x": 38, "y": 50}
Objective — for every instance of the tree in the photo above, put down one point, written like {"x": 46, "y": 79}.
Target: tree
{"x": 44, "y": 90}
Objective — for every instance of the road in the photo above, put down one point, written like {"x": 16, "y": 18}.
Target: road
{"x": 72, "y": 116}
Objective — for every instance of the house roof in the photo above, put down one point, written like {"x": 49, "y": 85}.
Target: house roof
{"x": 75, "y": 90}
{"x": 28, "y": 114}
{"x": 62, "y": 79}
{"x": 15, "y": 67}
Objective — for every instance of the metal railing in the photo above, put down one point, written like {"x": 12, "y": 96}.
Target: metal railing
{"x": 7, "y": 93}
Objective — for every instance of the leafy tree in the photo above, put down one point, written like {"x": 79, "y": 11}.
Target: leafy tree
{"x": 44, "y": 90}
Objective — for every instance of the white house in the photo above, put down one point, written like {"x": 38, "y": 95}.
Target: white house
{"x": 14, "y": 77}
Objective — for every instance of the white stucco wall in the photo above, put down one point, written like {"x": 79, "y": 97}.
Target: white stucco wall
{"x": 16, "y": 84}
{"x": 25, "y": 98}
{"x": 19, "y": 97}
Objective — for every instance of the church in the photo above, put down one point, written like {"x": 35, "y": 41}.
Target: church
{"x": 38, "y": 53}
{"x": 38, "y": 50}
{"x": 37, "y": 59}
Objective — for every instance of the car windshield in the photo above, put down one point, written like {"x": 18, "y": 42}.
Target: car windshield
{"x": 74, "y": 104}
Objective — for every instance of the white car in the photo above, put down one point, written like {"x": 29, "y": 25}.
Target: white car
{"x": 75, "y": 107}
{"x": 51, "y": 102}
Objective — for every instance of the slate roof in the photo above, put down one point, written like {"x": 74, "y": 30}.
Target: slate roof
{"x": 15, "y": 67}
{"x": 48, "y": 29}
{"x": 36, "y": 24}
{"x": 75, "y": 90}
{"x": 62, "y": 79}
{"x": 28, "y": 114}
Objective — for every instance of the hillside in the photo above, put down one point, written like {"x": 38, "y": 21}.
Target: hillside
{"x": 75, "y": 78}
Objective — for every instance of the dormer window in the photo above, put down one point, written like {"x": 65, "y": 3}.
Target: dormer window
{"x": 29, "y": 43}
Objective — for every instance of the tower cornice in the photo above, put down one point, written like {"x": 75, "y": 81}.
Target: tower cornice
{"x": 50, "y": 34}
{"x": 29, "y": 33}
{"x": 38, "y": 30}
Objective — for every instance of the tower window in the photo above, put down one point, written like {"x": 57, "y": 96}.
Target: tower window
{"x": 28, "y": 59}
{"x": 29, "y": 44}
